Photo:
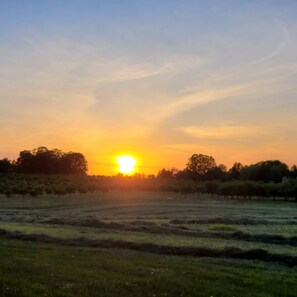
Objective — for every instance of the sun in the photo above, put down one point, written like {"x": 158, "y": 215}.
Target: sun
{"x": 126, "y": 164}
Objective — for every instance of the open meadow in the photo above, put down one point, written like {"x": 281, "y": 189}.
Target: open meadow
{"x": 146, "y": 244}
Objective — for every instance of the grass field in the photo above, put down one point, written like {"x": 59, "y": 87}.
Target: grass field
{"x": 146, "y": 244}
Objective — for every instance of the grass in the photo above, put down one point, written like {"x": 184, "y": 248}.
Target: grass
{"x": 269, "y": 229}
{"x": 53, "y": 254}
{"x": 221, "y": 227}
{"x": 70, "y": 232}
{"x": 34, "y": 269}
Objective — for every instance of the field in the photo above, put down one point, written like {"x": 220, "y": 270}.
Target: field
{"x": 146, "y": 244}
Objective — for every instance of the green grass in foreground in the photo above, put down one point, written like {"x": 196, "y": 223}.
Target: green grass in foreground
{"x": 34, "y": 269}
{"x": 29, "y": 269}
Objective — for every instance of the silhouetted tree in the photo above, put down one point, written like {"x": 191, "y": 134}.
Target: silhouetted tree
{"x": 293, "y": 172}
{"x": 167, "y": 173}
{"x": 24, "y": 162}
{"x": 216, "y": 173}
{"x": 74, "y": 163}
{"x": 45, "y": 161}
{"x": 5, "y": 166}
{"x": 199, "y": 165}
{"x": 234, "y": 172}
{"x": 265, "y": 171}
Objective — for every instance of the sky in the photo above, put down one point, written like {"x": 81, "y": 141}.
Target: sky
{"x": 160, "y": 80}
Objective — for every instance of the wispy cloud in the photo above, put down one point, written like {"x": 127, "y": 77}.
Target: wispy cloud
{"x": 194, "y": 99}
{"x": 277, "y": 50}
{"x": 227, "y": 131}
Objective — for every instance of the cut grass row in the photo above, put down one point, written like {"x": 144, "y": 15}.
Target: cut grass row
{"x": 76, "y": 232}
{"x": 31, "y": 269}
{"x": 236, "y": 253}
{"x": 282, "y": 229}
{"x": 151, "y": 227}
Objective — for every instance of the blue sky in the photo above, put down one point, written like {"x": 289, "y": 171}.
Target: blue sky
{"x": 158, "y": 79}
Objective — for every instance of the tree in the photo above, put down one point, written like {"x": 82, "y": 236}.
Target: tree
{"x": 24, "y": 162}
{"x": 5, "y": 166}
{"x": 167, "y": 173}
{"x": 199, "y": 165}
{"x": 293, "y": 171}
{"x": 271, "y": 170}
{"x": 45, "y": 161}
{"x": 74, "y": 163}
{"x": 234, "y": 172}
{"x": 216, "y": 173}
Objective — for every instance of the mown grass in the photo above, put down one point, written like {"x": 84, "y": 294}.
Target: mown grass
{"x": 32, "y": 269}
{"x": 269, "y": 229}
{"x": 221, "y": 227}
{"x": 69, "y": 232}
{"x": 160, "y": 223}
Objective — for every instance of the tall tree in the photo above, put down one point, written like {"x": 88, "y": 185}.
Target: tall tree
{"x": 234, "y": 172}
{"x": 199, "y": 165}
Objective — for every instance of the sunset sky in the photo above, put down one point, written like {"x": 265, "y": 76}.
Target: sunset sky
{"x": 159, "y": 80}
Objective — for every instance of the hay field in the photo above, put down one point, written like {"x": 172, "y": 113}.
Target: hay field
{"x": 146, "y": 244}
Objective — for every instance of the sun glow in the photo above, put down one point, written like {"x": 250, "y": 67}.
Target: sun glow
{"x": 126, "y": 164}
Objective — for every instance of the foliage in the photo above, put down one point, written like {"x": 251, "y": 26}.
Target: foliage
{"x": 266, "y": 171}
{"x": 167, "y": 173}
{"x": 234, "y": 172}
{"x": 199, "y": 165}
{"x": 5, "y": 166}
{"x": 38, "y": 184}
{"x": 43, "y": 171}
{"x": 45, "y": 161}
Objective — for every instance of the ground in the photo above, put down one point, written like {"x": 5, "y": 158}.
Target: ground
{"x": 146, "y": 244}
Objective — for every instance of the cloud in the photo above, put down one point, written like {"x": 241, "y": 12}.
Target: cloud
{"x": 280, "y": 46}
{"x": 222, "y": 131}
{"x": 188, "y": 101}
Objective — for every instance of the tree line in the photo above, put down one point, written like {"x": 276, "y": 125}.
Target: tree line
{"x": 198, "y": 168}
{"x": 45, "y": 161}
{"x": 204, "y": 168}
{"x": 43, "y": 171}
